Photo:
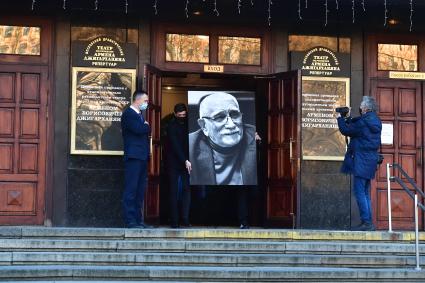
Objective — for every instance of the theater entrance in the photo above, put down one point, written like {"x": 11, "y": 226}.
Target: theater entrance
{"x": 273, "y": 202}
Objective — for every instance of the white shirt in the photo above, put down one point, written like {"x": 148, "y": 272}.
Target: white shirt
{"x": 135, "y": 109}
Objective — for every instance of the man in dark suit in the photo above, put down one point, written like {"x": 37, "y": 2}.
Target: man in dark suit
{"x": 179, "y": 166}
{"x": 135, "y": 132}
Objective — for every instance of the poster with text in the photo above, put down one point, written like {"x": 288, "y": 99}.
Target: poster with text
{"x": 222, "y": 145}
{"x": 99, "y": 96}
{"x": 321, "y": 139}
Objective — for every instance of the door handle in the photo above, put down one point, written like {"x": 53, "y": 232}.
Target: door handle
{"x": 291, "y": 152}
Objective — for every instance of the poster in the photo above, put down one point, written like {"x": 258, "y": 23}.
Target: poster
{"x": 98, "y": 99}
{"x": 321, "y": 139}
{"x": 222, "y": 146}
{"x": 103, "y": 80}
{"x": 325, "y": 86}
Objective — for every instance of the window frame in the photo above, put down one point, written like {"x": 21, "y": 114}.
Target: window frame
{"x": 159, "y": 31}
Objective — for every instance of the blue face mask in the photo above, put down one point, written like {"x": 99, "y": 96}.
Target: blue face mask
{"x": 143, "y": 106}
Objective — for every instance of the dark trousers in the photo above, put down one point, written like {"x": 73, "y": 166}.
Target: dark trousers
{"x": 179, "y": 193}
{"x": 134, "y": 192}
{"x": 362, "y": 193}
{"x": 243, "y": 198}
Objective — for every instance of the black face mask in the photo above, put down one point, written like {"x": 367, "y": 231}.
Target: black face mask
{"x": 360, "y": 111}
{"x": 181, "y": 120}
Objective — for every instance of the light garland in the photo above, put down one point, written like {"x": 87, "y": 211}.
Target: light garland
{"x": 326, "y": 12}
{"x": 96, "y": 5}
{"x": 411, "y": 15}
{"x": 64, "y": 5}
{"x": 306, "y": 4}
{"x": 270, "y": 12}
{"x": 215, "y": 8}
{"x": 32, "y": 5}
{"x": 363, "y": 6}
{"x": 126, "y": 6}
{"x": 155, "y": 7}
{"x": 239, "y": 6}
{"x": 186, "y": 9}
{"x": 299, "y": 10}
{"x": 252, "y": 2}
{"x": 385, "y": 13}
{"x": 337, "y": 5}
{"x": 353, "y": 8}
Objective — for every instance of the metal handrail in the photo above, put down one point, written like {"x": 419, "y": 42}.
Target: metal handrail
{"x": 413, "y": 196}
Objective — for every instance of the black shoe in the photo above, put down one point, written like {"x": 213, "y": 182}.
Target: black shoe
{"x": 244, "y": 226}
{"x": 174, "y": 226}
{"x": 145, "y": 226}
{"x": 186, "y": 225}
{"x": 365, "y": 226}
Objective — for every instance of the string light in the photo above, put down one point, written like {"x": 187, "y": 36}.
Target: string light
{"x": 299, "y": 10}
{"x": 326, "y": 12}
{"x": 155, "y": 7}
{"x": 126, "y": 6}
{"x": 252, "y": 2}
{"x": 32, "y": 5}
{"x": 353, "y": 8}
{"x": 385, "y": 13}
{"x": 186, "y": 9}
{"x": 411, "y": 15}
{"x": 215, "y": 8}
{"x": 64, "y": 4}
{"x": 239, "y": 6}
{"x": 306, "y": 4}
{"x": 337, "y": 4}
{"x": 363, "y": 6}
{"x": 270, "y": 12}
{"x": 96, "y": 3}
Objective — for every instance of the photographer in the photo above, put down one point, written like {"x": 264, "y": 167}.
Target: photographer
{"x": 362, "y": 157}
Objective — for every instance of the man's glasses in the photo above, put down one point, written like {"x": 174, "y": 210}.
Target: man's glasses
{"x": 221, "y": 117}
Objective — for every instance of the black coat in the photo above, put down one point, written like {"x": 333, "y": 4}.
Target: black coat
{"x": 177, "y": 149}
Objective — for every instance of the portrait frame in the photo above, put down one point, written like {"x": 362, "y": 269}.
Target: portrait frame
{"x": 75, "y": 72}
{"x": 346, "y": 82}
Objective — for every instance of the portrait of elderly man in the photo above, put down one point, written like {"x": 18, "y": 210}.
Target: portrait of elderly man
{"x": 223, "y": 150}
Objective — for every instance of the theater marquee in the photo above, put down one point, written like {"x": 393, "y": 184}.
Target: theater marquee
{"x": 103, "y": 79}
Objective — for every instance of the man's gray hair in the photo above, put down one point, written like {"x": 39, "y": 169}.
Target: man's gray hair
{"x": 369, "y": 103}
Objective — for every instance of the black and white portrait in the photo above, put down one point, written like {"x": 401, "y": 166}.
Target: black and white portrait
{"x": 222, "y": 146}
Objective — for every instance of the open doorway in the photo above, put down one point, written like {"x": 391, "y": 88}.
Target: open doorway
{"x": 276, "y": 201}
{"x": 210, "y": 205}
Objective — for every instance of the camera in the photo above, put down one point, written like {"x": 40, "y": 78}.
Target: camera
{"x": 343, "y": 110}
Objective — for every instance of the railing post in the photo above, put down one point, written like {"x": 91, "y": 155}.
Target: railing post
{"x": 417, "y": 234}
{"x": 390, "y": 227}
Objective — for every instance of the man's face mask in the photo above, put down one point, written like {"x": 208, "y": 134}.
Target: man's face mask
{"x": 143, "y": 106}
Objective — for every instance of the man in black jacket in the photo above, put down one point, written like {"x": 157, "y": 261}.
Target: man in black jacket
{"x": 179, "y": 166}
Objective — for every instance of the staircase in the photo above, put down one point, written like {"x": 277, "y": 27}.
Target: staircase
{"x": 207, "y": 255}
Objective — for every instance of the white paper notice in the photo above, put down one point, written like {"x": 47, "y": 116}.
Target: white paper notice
{"x": 387, "y": 134}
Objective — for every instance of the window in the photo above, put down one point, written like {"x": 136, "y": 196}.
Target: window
{"x": 187, "y": 48}
{"x": 239, "y": 50}
{"x": 306, "y": 42}
{"x": 20, "y": 40}
{"x": 397, "y": 57}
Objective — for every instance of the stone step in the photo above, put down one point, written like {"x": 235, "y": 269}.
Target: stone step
{"x": 203, "y": 259}
{"x": 195, "y": 273}
{"x": 205, "y": 234}
{"x": 300, "y": 247}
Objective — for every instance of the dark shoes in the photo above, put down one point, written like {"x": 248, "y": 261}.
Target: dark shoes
{"x": 184, "y": 225}
{"x": 244, "y": 226}
{"x": 365, "y": 226}
{"x": 139, "y": 226}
